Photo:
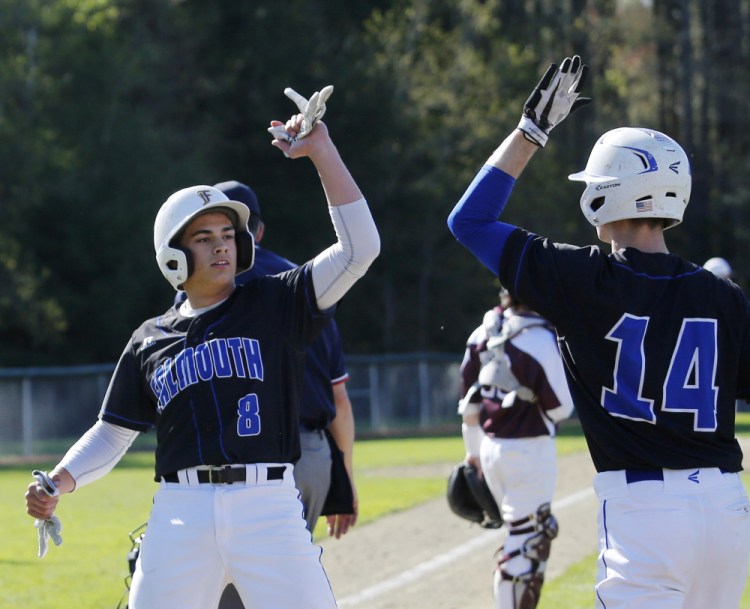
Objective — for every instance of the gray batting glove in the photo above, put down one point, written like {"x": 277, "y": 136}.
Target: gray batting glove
{"x": 553, "y": 99}
{"x": 51, "y": 527}
{"x": 312, "y": 111}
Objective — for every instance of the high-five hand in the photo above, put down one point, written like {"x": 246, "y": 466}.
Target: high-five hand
{"x": 312, "y": 111}
{"x": 553, "y": 99}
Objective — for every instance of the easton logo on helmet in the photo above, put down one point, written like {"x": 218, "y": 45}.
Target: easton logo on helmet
{"x": 606, "y": 186}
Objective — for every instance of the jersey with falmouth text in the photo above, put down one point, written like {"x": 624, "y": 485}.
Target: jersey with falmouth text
{"x": 656, "y": 349}
{"x": 222, "y": 387}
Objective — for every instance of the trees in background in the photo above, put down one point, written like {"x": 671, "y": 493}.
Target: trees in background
{"x": 108, "y": 106}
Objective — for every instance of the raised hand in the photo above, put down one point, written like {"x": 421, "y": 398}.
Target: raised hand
{"x": 312, "y": 111}
{"x": 553, "y": 99}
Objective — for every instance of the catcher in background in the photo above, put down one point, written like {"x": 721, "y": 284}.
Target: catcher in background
{"x": 515, "y": 394}
{"x": 656, "y": 352}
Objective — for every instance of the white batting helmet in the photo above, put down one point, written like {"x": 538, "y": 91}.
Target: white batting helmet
{"x": 635, "y": 173}
{"x": 178, "y": 211}
{"x": 719, "y": 267}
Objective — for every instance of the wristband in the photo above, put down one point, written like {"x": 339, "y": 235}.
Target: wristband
{"x": 473, "y": 435}
{"x": 532, "y": 132}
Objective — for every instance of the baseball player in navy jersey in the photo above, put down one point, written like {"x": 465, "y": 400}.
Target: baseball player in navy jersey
{"x": 324, "y": 402}
{"x": 219, "y": 378}
{"x": 515, "y": 393}
{"x": 656, "y": 351}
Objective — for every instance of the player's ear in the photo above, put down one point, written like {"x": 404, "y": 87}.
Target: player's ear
{"x": 259, "y": 231}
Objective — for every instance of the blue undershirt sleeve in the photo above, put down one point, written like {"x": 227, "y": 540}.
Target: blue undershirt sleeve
{"x": 473, "y": 220}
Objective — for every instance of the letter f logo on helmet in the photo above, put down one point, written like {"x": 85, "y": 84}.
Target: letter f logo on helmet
{"x": 205, "y": 195}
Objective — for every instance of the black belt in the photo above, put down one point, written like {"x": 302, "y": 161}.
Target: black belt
{"x": 228, "y": 475}
{"x": 641, "y": 475}
{"x": 312, "y": 427}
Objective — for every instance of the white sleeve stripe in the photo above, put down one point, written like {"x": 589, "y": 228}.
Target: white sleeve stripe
{"x": 341, "y": 379}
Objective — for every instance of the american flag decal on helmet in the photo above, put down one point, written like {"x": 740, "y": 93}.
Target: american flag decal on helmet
{"x": 644, "y": 205}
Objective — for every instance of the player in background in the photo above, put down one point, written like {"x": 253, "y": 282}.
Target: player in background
{"x": 719, "y": 267}
{"x": 219, "y": 378}
{"x": 324, "y": 403}
{"x": 514, "y": 395}
{"x": 656, "y": 350}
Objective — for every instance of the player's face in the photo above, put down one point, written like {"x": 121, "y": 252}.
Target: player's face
{"x": 210, "y": 239}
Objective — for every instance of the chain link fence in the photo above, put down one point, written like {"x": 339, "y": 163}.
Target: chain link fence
{"x": 44, "y": 410}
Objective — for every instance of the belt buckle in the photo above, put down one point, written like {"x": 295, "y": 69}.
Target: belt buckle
{"x": 220, "y": 471}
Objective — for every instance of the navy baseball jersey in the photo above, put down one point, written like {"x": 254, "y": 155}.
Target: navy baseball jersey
{"x": 222, "y": 387}
{"x": 324, "y": 358}
{"x": 266, "y": 263}
{"x": 648, "y": 399}
{"x": 324, "y": 367}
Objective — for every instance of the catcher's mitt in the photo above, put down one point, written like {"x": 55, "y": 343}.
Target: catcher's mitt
{"x": 470, "y": 498}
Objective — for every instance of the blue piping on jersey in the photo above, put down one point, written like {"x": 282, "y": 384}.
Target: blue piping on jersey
{"x": 473, "y": 221}
{"x": 661, "y": 277}
{"x": 197, "y": 431}
{"x": 160, "y": 325}
{"x": 195, "y": 420}
{"x": 213, "y": 392}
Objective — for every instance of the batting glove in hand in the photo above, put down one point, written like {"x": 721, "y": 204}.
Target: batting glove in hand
{"x": 554, "y": 98}
{"x": 51, "y": 527}
{"x": 312, "y": 111}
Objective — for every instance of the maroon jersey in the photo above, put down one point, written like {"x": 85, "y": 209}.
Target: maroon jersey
{"x": 534, "y": 396}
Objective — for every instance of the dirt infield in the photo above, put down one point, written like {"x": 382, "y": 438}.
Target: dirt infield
{"x": 427, "y": 557}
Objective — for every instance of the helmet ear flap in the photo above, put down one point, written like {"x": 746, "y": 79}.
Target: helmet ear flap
{"x": 188, "y": 260}
{"x": 245, "y": 250}
{"x": 175, "y": 263}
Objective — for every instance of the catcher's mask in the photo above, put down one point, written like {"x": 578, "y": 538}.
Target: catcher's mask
{"x": 178, "y": 211}
{"x": 470, "y": 498}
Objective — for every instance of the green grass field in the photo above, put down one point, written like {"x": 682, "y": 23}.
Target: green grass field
{"x": 89, "y": 569}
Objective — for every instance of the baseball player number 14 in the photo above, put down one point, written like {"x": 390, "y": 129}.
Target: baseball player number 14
{"x": 691, "y": 375}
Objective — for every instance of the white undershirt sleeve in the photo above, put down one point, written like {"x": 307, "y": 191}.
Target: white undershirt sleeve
{"x": 97, "y": 452}
{"x": 337, "y": 268}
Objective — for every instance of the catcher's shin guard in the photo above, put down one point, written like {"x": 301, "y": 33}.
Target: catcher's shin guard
{"x": 526, "y": 588}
